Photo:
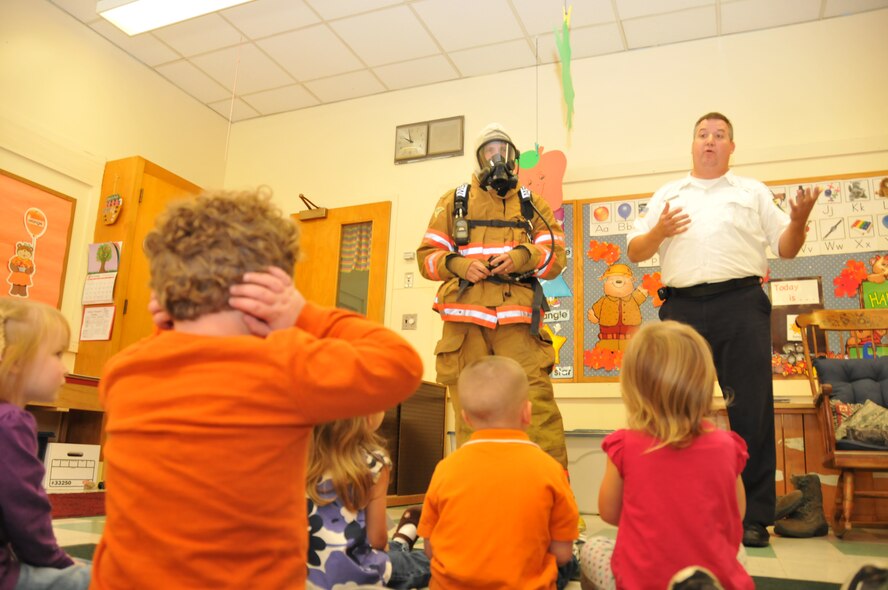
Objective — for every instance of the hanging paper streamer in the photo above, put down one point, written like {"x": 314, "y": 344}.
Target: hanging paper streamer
{"x": 562, "y": 42}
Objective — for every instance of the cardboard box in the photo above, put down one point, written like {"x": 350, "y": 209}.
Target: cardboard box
{"x": 69, "y": 465}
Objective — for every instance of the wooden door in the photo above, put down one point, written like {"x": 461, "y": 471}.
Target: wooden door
{"x": 324, "y": 270}
{"x": 159, "y": 189}
{"x": 136, "y": 180}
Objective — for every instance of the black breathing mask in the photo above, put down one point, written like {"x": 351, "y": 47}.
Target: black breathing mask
{"x": 498, "y": 175}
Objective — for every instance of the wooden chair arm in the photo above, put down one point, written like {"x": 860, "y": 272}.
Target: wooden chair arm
{"x": 824, "y": 395}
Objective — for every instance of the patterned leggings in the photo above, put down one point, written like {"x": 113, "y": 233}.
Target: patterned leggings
{"x": 595, "y": 563}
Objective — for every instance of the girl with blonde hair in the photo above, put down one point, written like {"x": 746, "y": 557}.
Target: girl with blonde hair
{"x": 672, "y": 482}
{"x": 33, "y": 337}
{"x": 347, "y": 479}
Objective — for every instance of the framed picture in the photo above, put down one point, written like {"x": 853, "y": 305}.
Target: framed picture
{"x": 35, "y": 233}
{"x": 446, "y": 137}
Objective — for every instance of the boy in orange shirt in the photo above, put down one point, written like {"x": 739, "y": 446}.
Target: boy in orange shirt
{"x": 499, "y": 512}
{"x": 208, "y": 423}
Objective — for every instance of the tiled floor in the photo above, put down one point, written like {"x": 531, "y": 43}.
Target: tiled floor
{"x": 822, "y": 559}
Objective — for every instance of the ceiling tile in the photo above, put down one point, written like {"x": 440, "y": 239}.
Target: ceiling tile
{"x": 346, "y": 86}
{"x": 585, "y": 42}
{"x": 844, "y": 7}
{"x": 428, "y": 70}
{"x": 638, "y": 8}
{"x": 254, "y": 70}
{"x": 461, "y": 24}
{"x": 239, "y": 112}
{"x": 263, "y": 18}
{"x": 82, "y": 10}
{"x": 493, "y": 58}
{"x": 749, "y": 15}
{"x": 544, "y": 16}
{"x": 146, "y": 48}
{"x": 199, "y": 35}
{"x": 311, "y": 53}
{"x": 330, "y": 9}
{"x": 190, "y": 79}
{"x": 293, "y": 54}
{"x": 696, "y": 23}
{"x": 279, "y": 100}
{"x": 386, "y": 36}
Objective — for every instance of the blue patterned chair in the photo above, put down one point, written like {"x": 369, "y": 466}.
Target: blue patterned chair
{"x": 845, "y": 349}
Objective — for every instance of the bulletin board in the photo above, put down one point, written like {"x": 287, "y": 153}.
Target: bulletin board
{"x": 846, "y": 252}
{"x": 35, "y": 233}
{"x": 560, "y": 321}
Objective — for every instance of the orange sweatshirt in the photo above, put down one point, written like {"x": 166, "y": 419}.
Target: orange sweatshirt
{"x": 206, "y": 446}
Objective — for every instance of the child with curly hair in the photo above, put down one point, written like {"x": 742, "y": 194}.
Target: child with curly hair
{"x": 348, "y": 475}
{"x": 208, "y": 423}
{"x": 33, "y": 337}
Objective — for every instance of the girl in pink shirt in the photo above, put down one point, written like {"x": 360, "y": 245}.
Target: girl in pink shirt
{"x": 672, "y": 482}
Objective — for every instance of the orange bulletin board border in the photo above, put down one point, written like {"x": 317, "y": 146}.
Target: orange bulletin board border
{"x": 35, "y": 237}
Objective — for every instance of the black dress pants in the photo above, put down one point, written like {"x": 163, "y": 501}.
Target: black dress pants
{"x": 738, "y": 328}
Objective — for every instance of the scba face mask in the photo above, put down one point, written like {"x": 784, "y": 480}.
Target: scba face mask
{"x": 497, "y": 160}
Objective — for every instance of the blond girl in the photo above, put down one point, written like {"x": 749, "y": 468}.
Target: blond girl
{"x": 33, "y": 337}
{"x": 672, "y": 483}
{"x": 347, "y": 479}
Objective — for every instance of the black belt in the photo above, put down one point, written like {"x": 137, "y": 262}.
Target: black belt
{"x": 708, "y": 289}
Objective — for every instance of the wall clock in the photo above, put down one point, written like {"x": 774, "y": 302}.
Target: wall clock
{"x": 411, "y": 142}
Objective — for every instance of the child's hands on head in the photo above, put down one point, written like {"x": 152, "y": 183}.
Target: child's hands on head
{"x": 268, "y": 299}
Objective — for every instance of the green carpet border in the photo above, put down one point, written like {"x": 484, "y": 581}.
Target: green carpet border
{"x": 762, "y": 583}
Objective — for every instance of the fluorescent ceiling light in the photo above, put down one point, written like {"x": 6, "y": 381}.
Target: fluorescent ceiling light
{"x": 137, "y": 16}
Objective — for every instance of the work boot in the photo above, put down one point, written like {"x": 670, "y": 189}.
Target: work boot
{"x": 787, "y": 504}
{"x": 808, "y": 519}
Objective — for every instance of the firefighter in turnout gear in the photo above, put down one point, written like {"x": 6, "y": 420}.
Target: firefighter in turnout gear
{"x": 489, "y": 243}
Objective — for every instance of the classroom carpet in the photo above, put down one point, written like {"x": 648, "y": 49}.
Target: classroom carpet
{"x": 85, "y": 551}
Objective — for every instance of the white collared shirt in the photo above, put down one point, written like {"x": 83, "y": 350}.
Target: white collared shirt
{"x": 732, "y": 222}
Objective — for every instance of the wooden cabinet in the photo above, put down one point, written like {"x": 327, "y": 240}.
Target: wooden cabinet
{"x": 414, "y": 434}
{"x": 76, "y": 416}
{"x": 146, "y": 189}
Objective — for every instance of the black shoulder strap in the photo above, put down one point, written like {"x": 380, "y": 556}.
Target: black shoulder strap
{"x": 526, "y": 203}
{"x": 461, "y": 201}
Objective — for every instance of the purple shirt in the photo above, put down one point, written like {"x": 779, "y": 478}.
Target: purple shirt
{"x": 25, "y": 512}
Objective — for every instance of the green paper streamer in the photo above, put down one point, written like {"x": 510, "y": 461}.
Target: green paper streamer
{"x": 562, "y": 42}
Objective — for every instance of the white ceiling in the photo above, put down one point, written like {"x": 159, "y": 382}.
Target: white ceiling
{"x": 282, "y": 55}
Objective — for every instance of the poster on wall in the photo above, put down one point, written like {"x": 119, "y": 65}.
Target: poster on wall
{"x": 842, "y": 265}
{"x": 35, "y": 232}
{"x": 103, "y": 262}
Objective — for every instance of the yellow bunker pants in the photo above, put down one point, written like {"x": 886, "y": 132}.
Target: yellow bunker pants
{"x": 462, "y": 343}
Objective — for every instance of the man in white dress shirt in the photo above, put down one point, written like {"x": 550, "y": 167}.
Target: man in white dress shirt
{"x": 711, "y": 230}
